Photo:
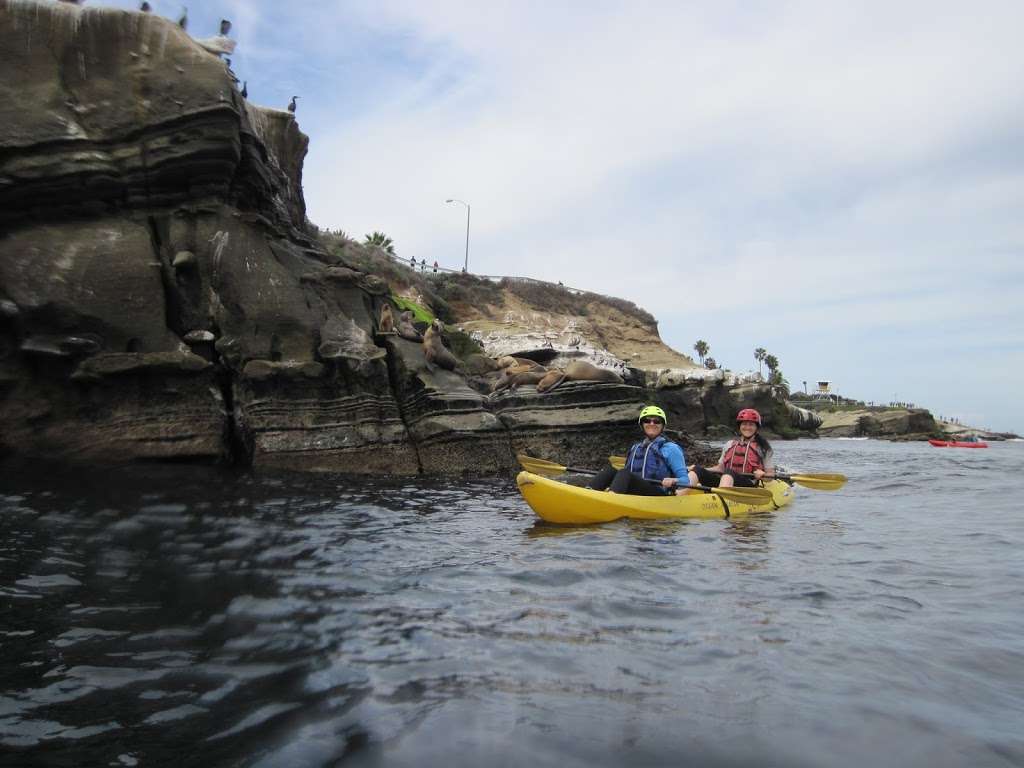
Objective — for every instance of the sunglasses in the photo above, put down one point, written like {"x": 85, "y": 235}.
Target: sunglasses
{"x": 652, "y": 420}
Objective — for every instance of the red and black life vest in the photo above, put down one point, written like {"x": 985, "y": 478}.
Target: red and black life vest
{"x": 743, "y": 457}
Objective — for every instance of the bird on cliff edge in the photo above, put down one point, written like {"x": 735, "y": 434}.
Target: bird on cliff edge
{"x": 183, "y": 20}
{"x": 245, "y": 89}
{"x": 145, "y": 7}
{"x": 225, "y": 27}
{"x": 291, "y": 107}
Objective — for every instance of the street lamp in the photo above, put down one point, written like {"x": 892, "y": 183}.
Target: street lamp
{"x": 465, "y": 266}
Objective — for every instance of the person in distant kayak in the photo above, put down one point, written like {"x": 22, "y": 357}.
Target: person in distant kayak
{"x": 654, "y": 466}
{"x": 744, "y": 462}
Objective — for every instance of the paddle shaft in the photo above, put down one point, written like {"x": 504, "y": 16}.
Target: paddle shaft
{"x": 826, "y": 482}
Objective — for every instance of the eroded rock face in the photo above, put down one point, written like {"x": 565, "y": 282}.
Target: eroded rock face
{"x": 915, "y": 423}
{"x": 159, "y": 298}
{"x": 150, "y": 254}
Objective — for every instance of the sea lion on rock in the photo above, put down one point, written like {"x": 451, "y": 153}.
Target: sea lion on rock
{"x": 514, "y": 365}
{"x": 405, "y": 327}
{"x": 387, "y": 319}
{"x": 511, "y": 383}
{"x": 434, "y": 349}
{"x": 577, "y": 370}
{"x": 519, "y": 363}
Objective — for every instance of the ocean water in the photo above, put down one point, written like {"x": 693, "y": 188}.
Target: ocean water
{"x": 194, "y": 616}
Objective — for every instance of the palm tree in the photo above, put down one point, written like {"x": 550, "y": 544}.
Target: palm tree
{"x": 759, "y": 354}
{"x": 701, "y": 348}
{"x": 772, "y": 363}
{"x": 381, "y": 240}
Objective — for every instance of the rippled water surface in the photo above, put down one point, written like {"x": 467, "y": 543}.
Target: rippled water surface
{"x": 175, "y": 615}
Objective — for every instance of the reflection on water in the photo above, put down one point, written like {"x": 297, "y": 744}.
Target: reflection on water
{"x": 191, "y": 616}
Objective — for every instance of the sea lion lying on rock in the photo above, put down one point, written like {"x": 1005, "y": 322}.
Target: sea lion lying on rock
{"x": 511, "y": 383}
{"x": 519, "y": 364}
{"x": 405, "y": 328}
{"x": 434, "y": 349}
{"x": 577, "y": 370}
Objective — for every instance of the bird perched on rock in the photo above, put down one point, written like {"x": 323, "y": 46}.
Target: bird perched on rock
{"x": 145, "y": 7}
{"x": 225, "y": 26}
{"x": 245, "y": 89}
{"x": 291, "y": 107}
{"x": 183, "y": 19}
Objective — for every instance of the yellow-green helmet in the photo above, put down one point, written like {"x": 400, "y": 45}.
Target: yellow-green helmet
{"x": 652, "y": 410}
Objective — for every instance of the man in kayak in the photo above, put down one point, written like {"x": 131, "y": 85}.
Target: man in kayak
{"x": 743, "y": 462}
{"x": 653, "y": 466}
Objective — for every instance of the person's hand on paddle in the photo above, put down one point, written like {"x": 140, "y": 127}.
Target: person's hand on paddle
{"x": 668, "y": 482}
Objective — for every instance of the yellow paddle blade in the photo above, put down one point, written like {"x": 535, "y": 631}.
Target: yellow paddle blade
{"x": 617, "y": 461}
{"x": 822, "y": 482}
{"x": 540, "y": 466}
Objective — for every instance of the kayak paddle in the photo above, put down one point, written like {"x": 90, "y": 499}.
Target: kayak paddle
{"x": 754, "y": 496}
{"x": 819, "y": 482}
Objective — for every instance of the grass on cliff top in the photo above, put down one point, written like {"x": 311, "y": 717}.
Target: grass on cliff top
{"x": 420, "y": 313}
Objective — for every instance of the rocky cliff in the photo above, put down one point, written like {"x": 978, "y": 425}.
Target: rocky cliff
{"x": 889, "y": 423}
{"x": 160, "y": 298}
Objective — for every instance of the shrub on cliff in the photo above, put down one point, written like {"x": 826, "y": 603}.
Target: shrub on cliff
{"x": 461, "y": 344}
{"x": 467, "y": 289}
{"x": 545, "y": 297}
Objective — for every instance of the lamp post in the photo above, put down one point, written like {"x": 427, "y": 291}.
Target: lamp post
{"x": 465, "y": 266}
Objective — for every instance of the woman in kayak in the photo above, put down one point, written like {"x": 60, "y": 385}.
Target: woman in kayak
{"x": 653, "y": 466}
{"x": 744, "y": 461}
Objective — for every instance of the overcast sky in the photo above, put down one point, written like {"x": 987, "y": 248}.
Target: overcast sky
{"x": 840, "y": 183}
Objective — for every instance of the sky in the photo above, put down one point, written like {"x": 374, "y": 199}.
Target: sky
{"x": 841, "y": 183}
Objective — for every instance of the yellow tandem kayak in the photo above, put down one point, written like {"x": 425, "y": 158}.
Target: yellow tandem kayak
{"x": 558, "y": 502}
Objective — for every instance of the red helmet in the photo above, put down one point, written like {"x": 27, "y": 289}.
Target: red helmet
{"x": 749, "y": 414}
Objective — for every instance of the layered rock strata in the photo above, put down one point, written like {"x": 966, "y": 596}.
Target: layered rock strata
{"x": 159, "y": 298}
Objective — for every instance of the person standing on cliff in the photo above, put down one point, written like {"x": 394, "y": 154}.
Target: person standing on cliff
{"x": 653, "y": 466}
{"x": 743, "y": 462}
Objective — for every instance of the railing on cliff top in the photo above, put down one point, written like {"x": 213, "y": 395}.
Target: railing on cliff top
{"x": 428, "y": 270}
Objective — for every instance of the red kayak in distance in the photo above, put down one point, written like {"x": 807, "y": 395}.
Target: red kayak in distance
{"x": 958, "y": 443}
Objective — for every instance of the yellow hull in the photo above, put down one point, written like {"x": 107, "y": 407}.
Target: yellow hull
{"x": 558, "y": 502}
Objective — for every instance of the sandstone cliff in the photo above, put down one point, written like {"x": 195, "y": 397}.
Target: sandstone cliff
{"x": 160, "y": 297}
{"x": 890, "y": 423}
